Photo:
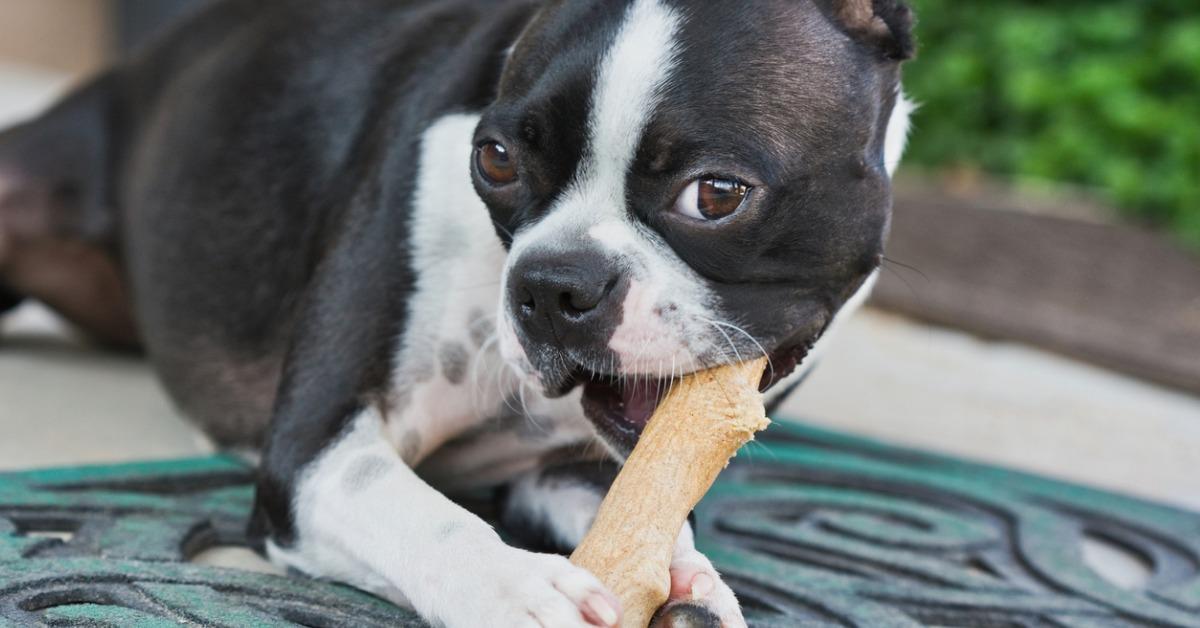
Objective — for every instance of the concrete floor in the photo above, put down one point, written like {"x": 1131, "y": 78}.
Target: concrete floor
{"x": 886, "y": 377}
{"x": 62, "y": 403}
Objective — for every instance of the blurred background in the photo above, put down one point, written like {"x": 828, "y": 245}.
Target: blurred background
{"x": 1040, "y": 308}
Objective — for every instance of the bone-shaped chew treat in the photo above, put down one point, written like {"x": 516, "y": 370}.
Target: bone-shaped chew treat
{"x": 697, "y": 429}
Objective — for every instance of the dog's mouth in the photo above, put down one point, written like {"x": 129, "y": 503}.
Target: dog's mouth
{"x": 621, "y": 406}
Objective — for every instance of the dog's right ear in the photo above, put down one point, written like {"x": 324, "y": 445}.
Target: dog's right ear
{"x": 886, "y": 25}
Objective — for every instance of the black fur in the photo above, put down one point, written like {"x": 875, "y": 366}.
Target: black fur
{"x": 59, "y": 166}
{"x": 9, "y": 300}
{"x": 889, "y": 35}
{"x": 900, "y": 44}
{"x": 816, "y": 229}
{"x": 595, "y": 475}
{"x": 252, "y": 173}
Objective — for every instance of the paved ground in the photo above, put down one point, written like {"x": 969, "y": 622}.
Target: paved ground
{"x": 887, "y": 377}
{"x": 63, "y": 404}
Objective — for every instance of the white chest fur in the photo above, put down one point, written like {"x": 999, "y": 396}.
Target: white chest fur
{"x": 450, "y": 380}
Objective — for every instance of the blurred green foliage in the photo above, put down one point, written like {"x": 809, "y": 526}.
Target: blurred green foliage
{"x": 1104, "y": 93}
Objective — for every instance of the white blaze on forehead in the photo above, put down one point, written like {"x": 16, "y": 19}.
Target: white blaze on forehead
{"x": 628, "y": 88}
{"x": 593, "y": 209}
{"x": 614, "y": 234}
{"x": 629, "y": 85}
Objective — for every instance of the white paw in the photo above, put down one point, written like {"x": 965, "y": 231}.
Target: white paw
{"x": 518, "y": 589}
{"x": 695, "y": 581}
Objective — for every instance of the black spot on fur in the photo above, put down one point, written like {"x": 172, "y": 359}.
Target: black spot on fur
{"x": 410, "y": 446}
{"x": 421, "y": 368}
{"x": 455, "y": 359}
{"x": 364, "y": 472}
{"x": 481, "y": 328}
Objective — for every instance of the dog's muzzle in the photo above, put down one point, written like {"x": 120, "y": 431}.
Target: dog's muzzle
{"x": 570, "y": 301}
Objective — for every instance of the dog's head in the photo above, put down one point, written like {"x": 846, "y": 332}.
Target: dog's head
{"x": 685, "y": 183}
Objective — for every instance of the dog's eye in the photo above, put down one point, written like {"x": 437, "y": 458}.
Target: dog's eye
{"x": 712, "y": 198}
{"x": 495, "y": 163}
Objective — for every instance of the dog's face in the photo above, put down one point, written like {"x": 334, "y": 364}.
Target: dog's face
{"x": 685, "y": 183}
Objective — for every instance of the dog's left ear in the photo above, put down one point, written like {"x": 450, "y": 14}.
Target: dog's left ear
{"x": 884, "y": 24}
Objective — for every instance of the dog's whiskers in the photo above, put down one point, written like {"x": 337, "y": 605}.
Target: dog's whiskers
{"x": 478, "y": 388}
{"x": 506, "y": 231}
{"x": 758, "y": 345}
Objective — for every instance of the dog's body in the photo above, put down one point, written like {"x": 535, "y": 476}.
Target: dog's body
{"x": 278, "y": 202}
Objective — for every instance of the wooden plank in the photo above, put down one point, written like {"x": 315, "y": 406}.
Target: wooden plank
{"x": 1117, "y": 296}
{"x": 68, "y": 36}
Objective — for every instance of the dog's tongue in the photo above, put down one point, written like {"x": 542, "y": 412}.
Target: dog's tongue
{"x": 641, "y": 400}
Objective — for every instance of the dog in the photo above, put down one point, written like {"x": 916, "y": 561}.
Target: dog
{"x": 411, "y": 250}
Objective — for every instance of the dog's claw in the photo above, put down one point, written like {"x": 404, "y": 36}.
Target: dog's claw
{"x": 685, "y": 615}
{"x": 698, "y": 593}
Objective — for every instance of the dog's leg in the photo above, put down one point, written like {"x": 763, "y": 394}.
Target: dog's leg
{"x": 11, "y": 187}
{"x": 362, "y": 516}
{"x": 58, "y": 240}
{"x": 555, "y": 507}
{"x": 337, "y": 497}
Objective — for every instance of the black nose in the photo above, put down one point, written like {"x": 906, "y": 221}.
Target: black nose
{"x": 560, "y": 297}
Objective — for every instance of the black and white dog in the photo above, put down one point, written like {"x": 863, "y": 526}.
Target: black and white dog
{"x": 416, "y": 248}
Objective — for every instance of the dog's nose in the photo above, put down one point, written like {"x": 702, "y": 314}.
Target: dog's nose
{"x": 557, "y": 297}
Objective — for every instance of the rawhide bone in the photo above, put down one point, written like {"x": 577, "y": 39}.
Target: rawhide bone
{"x": 697, "y": 429}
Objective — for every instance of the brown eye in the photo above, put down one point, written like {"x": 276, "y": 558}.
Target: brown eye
{"x": 712, "y": 198}
{"x": 495, "y": 164}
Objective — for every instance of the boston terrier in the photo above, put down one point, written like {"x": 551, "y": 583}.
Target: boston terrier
{"x": 413, "y": 250}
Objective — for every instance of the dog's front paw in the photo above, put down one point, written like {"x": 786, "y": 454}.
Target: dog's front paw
{"x": 521, "y": 589}
{"x": 699, "y": 597}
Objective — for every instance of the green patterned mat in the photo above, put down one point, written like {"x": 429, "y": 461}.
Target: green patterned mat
{"x": 812, "y": 528}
